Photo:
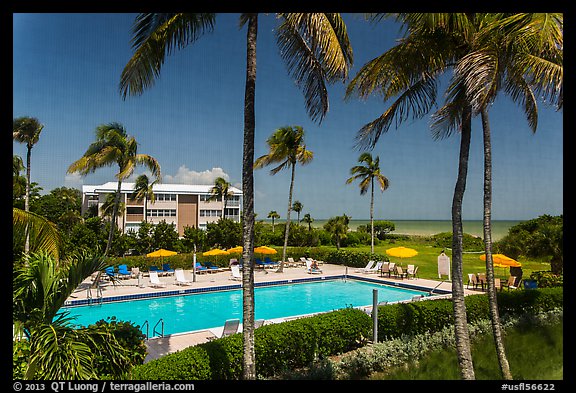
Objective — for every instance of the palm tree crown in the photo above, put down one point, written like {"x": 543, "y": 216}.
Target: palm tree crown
{"x": 221, "y": 190}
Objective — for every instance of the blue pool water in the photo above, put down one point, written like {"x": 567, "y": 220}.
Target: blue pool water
{"x": 207, "y": 310}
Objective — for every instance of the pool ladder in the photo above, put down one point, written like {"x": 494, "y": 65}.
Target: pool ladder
{"x": 154, "y": 331}
{"x": 98, "y": 295}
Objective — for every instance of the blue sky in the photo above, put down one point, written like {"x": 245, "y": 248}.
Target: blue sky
{"x": 66, "y": 70}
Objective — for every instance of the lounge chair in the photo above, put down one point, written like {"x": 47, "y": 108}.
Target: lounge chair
{"x": 155, "y": 281}
{"x": 391, "y": 268}
{"x": 385, "y": 269}
{"x": 291, "y": 262}
{"x": 123, "y": 272}
{"x": 310, "y": 270}
{"x": 511, "y": 283}
{"x": 303, "y": 261}
{"x": 200, "y": 268}
{"x": 375, "y": 269}
{"x": 110, "y": 272}
{"x": 363, "y": 269}
{"x": 412, "y": 271}
{"x": 235, "y": 269}
{"x": 167, "y": 269}
{"x": 482, "y": 279}
{"x": 270, "y": 262}
{"x": 212, "y": 268}
{"x": 497, "y": 284}
{"x": 135, "y": 272}
{"x": 180, "y": 278}
{"x": 230, "y": 327}
{"x": 155, "y": 269}
{"x": 472, "y": 280}
{"x": 400, "y": 272}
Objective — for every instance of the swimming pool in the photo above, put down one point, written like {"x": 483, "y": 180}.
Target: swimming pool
{"x": 211, "y": 309}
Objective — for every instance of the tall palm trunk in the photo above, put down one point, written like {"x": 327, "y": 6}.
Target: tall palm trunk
{"x": 27, "y": 196}
{"x": 372, "y": 216}
{"x": 249, "y": 355}
{"x": 113, "y": 220}
{"x": 462, "y": 335}
{"x": 492, "y": 299}
{"x": 287, "y": 229}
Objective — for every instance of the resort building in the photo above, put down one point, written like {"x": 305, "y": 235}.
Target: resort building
{"x": 179, "y": 204}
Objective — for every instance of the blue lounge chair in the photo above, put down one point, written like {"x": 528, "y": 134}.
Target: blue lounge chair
{"x": 211, "y": 267}
{"x": 155, "y": 269}
{"x": 109, "y": 271}
{"x": 200, "y": 268}
{"x": 123, "y": 272}
{"x": 269, "y": 262}
{"x": 167, "y": 269}
{"x": 261, "y": 264}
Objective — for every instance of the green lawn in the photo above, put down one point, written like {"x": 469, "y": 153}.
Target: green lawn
{"x": 534, "y": 353}
{"x": 428, "y": 263}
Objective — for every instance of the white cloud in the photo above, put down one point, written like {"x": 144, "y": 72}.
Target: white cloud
{"x": 73, "y": 180}
{"x": 187, "y": 176}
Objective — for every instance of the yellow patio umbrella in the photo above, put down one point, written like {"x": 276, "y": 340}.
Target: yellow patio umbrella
{"x": 214, "y": 252}
{"x": 237, "y": 249}
{"x": 501, "y": 260}
{"x": 161, "y": 253}
{"x": 265, "y": 250}
{"x": 401, "y": 252}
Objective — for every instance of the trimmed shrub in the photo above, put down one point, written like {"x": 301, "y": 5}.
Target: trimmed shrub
{"x": 278, "y": 347}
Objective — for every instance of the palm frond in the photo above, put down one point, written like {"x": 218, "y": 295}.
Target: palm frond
{"x": 154, "y": 37}
{"x": 42, "y": 234}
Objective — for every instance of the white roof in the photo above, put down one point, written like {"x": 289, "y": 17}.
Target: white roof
{"x": 112, "y": 186}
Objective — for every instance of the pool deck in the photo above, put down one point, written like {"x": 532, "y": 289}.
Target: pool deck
{"x": 160, "y": 346}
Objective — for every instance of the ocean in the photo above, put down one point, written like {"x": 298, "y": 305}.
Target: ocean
{"x": 431, "y": 227}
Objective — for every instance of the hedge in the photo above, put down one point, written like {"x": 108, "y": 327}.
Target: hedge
{"x": 296, "y": 344}
{"x": 395, "y": 320}
{"x": 278, "y": 347}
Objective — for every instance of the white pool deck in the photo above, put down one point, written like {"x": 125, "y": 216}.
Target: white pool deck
{"x": 160, "y": 346}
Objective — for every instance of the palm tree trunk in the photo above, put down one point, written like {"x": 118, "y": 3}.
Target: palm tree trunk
{"x": 249, "y": 355}
{"x": 462, "y": 335}
{"x": 113, "y": 220}
{"x": 287, "y": 229}
{"x": 372, "y": 217}
{"x": 27, "y": 196}
{"x": 492, "y": 299}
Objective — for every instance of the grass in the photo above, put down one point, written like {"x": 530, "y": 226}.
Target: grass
{"x": 428, "y": 253}
{"x": 533, "y": 352}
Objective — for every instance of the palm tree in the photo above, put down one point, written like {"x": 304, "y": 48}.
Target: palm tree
{"x": 221, "y": 191}
{"x": 518, "y": 53}
{"x": 18, "y": 182}
{"x": 297, "y": 206}
{"x": 43, "y": 235}
{"x": 57, "y": 349}
{"x": 286, "y": 148}
{"x": 308, "y": 220}
{"x": 109, "y": 208}
{"x": 274, "y": 216}
{"x": 410, "y": 72}
{"x": 144, "y": 190}
{"x": 338, "y": 227}
{"x": 113, "y": 145}
{"x": 367, "y": 174}
{"x": 27, "y": 130}
{"x": 316, "y": 49}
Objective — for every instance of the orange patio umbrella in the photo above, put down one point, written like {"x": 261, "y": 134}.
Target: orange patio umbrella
{"x": 401, "y": 252}
{"x": 265, "y": 250}
{"x": 502, "y": 260}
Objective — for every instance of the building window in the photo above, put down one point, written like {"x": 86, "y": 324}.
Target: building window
{"x": 210, "y": 213}
{"x": 206, "y": 198}
{"x": 134, "y": 210}
{"x": 162, "y": 212}
{"x": 165, "y": 197}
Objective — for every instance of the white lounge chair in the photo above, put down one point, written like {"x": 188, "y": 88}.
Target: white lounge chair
{"x": 374, "y": 269}
{"x": 180, "y": 277}
{"x": 310, "y": 270}
{"x": 235, "y": 269}
{"x": 230, "y": 327}
{"x": 155, "y": 281}
{"x": 363, "y": 269}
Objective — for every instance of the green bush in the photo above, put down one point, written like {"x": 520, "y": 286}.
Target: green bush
{"x": 20, "y": 355}
{"x": 278, "y": 347}
{"x": 469, "y": 242}
{"x": 395, "y": 320}
{"x": 547, "y": 279}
